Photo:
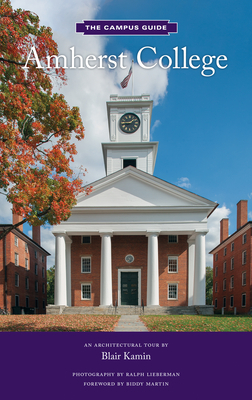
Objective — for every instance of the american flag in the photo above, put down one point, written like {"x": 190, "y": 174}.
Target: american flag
{"x": 124, "y": 83}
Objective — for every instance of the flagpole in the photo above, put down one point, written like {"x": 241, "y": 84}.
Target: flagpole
{"x": 132, "y": 65}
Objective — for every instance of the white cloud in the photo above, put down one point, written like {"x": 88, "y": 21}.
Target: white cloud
{"x": 48, "y": 243}
{"x": 155, "y": 125}
{"x": 90, "y": 89}
{"x": 5, "y": 211}
{"x": 184, "y": 183}
{"x": 213, "y": 236}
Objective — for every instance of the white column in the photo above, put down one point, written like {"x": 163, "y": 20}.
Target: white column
{"x": 152, "y": 270}
{"x": 106, "y": 270}
{"x": 191, "y": 268}
{"x": 68, "y": 271}
{"x": 60, "y": 289}
{"x": 199, "y": 297}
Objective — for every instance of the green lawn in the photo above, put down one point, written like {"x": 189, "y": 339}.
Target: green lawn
{"x": 106, "y": 323}
{"x": 197, "y": 323}
{"x": 58, "y": 323}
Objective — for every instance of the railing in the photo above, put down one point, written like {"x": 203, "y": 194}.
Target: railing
{"x": 116, "y": 306}
{"x": 4, "y": 311}
{"x": 143, "y": 305}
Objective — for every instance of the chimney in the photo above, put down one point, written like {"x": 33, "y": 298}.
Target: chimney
{"x": 224, "y": 229}
{"x": 17, "y": 218}
{"x": 242, "y": 213}
{"x": 36, "y": 234}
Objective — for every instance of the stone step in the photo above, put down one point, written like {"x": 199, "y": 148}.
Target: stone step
{"x": 170, "y": 310}
{"x": 132, "y": 310}
{"x": 88, "y": 310}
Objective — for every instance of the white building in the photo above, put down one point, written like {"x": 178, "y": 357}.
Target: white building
{"x": 135, "y": 238}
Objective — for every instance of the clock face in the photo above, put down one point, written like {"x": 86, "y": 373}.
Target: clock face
{"x": 129, "y": 258}
{"x": 129, "y": 123}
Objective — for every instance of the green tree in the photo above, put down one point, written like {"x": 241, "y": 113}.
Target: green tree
{"x": 50, "y": 285}
{"x": 209, "y": 285}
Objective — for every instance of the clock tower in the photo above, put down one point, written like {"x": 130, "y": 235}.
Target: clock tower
{"x": 129, "y": 119}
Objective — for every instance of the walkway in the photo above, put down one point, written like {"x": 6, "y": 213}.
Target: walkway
{"x": 130, "y": 323}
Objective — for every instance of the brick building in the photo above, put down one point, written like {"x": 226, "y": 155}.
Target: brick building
{"x": 232, "y": 264}
{"x": 22, "y": 271}
{"x": 135, "y": 238}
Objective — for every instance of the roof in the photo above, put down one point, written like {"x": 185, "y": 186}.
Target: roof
{"x": 149, "y": 180}
{"x": 25, "y": 237}
{"x": 231, "y": 236}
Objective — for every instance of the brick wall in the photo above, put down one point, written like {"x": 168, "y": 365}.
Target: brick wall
{"x": 12, "y": 269}
{"x": 239, "y": 268}
{"x": 122, "y": 246}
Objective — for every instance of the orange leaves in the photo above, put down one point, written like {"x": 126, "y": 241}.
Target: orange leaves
{"x": 36, "y": 126}
{"x": 58, "y": 323}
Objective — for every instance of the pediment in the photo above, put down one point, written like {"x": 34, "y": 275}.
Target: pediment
{"x": 133, "y": 188}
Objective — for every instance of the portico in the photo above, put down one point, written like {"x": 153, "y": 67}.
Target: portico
{"x": 128, "y": 225}
{"x": 135, "y": 238}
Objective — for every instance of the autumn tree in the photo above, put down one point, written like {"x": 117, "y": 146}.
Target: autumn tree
{"x": 50, "y": 285}
{"x": 209, "y": 285}
{"x": 37, "y": 126}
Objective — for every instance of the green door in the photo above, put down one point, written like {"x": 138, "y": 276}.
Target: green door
{"x": 129, "y": 288}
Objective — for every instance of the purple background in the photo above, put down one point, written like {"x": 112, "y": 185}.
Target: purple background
{"x": 170, "y": 27}
{"x": 40, "y": 365}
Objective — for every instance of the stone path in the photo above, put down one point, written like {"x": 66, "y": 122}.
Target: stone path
{"x": 130, "y": 323}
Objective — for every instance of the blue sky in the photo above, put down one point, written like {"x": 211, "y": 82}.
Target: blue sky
{"x": 203, "y": 124}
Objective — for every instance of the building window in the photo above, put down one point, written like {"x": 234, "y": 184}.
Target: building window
{"x": 16, "y": 280}
{"x": 173, "y": 238}
{"x": 36, "y": 286}
{"x": 243, "y": 299}
{"x": 43, "y": 272}
{"x": 16, "y": 260}
{"x": 232, "y": 263}
{"x": 36, "y": 254}
{"x": 172, "y": 264}
{"x": 224, "y": 267}
{"x": 36, "y": 303}
{"x": 27, "y": 283}
{"x": 26, "y": 264}
{"x": 232, "y": 246}
{"x": 244, "y": 257}
{"x": 16, "y": 240}
{"x": 244, "y": 278}
{"x": 224, "y": 302}
{"x": 225, "y": 251}
{"x": 43, "y": 258}
{"x": 16, "y": 300}
{"x": 216, "y": 287}
{"x": 86, "y": 239}
{"x": 215, "y": 303}
{"x": 172, "y": 291}
{"x": 244, "y": 238}
{"x": 216, "y": 257}
{"x": 86, "y": 291}
{"x": 224, "y": 284}
{"x": 26, "y": 247}
{"x": 129, "y": 161}
{"x": 27, "y": 302}
{"x": 231, "y": 301}
{"x": 216, "y": 271}
{"x": 85, "y": 265}
{"x": 36, "y": 269}
{"x": 232, "y": 282}
{"x": 43, "y": 288}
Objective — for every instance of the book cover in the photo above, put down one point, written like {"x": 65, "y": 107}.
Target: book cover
{"x": 194, "y": 60}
